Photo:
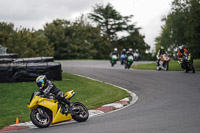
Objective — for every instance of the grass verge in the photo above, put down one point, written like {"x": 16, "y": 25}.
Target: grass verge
{"x": 173, "y": 66}
{"x": 15, "y": 96}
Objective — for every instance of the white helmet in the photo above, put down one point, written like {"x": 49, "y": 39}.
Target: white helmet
{"x": 115, "y": 49}
{"x": 130, "y": 49}
{"x": 180, "y": 47}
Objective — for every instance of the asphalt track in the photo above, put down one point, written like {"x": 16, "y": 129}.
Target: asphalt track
{"x": 169, "y": 102}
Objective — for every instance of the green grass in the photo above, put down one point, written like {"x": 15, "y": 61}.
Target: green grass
{"x": 15, "y": 96}
{"x": 173, "y": 66}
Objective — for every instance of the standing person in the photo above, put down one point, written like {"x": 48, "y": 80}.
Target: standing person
{"x": 161, "y": 51}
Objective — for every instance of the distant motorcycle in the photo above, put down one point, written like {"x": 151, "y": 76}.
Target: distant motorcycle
{"x": 164, "y": 62}
{"x": 122, "y": 59}
{"x": 187, "y": 63}
{"x": 113, "y": 60}
{"x": 129, "y": 62}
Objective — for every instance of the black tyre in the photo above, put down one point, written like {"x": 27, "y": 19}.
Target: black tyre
{"x": 166, "y": 66}
{"x": 192, "y": 68}
{"x": 39, "y": 120}
{"x": 82, "y": 114}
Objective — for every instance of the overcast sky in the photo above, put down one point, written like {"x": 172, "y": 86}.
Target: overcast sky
{"x": 35, "y": 13}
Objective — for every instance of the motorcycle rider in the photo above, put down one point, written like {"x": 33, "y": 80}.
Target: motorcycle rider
{"x": 115, "y": 52}
{"x": 123, "y": 56}
{"x": 181, "y": 52}
{"x": 46, "y": 87}
{"x": 161, "y": 51}
{"x": 129, "y": 53}
{"x": 136, "y": 55}
{"x": 123, "y": 52}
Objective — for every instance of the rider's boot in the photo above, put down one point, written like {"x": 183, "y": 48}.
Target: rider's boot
{"x": 67, "y": 105}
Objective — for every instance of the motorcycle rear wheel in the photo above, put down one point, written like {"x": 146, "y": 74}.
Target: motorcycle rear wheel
{"x": 82, "y": 115}
{"x": 37, "y": 119}
{"x": 192, "y": 68}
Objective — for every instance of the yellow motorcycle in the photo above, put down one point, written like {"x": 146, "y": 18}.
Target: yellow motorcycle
{"x": 46, "y": 110}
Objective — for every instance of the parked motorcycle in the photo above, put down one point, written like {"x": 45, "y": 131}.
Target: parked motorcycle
{"x": 113, "y": 60}
{"x": 46, "y": 110}
{"x": 129, "y": 62}
{"x": 187, "y": 63}
{"x": 164, "y": 62}
{"x": 122, "y": 59}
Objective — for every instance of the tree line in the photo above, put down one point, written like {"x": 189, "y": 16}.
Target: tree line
{"x": 92, "y": 36}
{"x": 181, "y": 28}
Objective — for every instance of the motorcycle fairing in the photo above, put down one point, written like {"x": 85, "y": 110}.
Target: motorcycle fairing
{"x": 51, "y": 105}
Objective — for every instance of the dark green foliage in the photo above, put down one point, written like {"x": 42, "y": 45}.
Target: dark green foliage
{"x": 182, "y": 27}
{"x": 112, "y": 22}
{"x": 64, "y": 39}
{"x": 109, "y": 20}
{"x": 24, "y": 42}
{"x": 76, "y": 40}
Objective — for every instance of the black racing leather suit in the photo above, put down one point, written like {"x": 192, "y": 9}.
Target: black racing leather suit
{"x": 129, "y": 53}
{"x": 49, "y": 87}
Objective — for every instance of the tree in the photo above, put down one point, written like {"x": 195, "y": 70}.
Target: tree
{"x": 76, "y": 40}
{"x": 182, "y": 27}
{"x": 24, "y": 42}
{"x": 193, "y": 28}
{"x": 109, "y": 20}
{"x": 136, "y": 41}
{"x": 6, "y": 34}
{"x": 112, "y": 22}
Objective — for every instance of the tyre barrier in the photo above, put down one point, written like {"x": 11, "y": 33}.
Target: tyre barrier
{"x": 9, "y": 55}
{"x": 6, "y": 60}
{"x": 27, "y": 69}
{"x": 34, "y": 60}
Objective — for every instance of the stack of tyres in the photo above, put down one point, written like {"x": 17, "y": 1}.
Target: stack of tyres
{"x": 34, "y": 60}
{"x": 6, "y": 60}
{"x": 8, "y": 55}
{"x": 6, "y": 72}
{"x": 29, "y": 71}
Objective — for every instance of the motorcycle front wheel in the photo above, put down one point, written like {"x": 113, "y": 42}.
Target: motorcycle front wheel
{"x": 40, "y": 120}
{"x": 166, "y": 66}
{"x": 80, "y": 112}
